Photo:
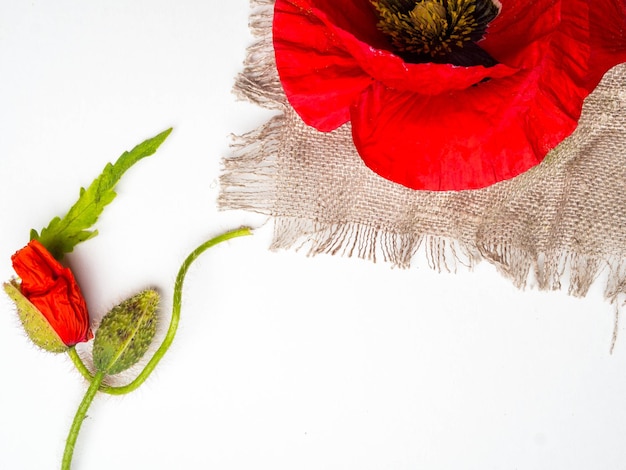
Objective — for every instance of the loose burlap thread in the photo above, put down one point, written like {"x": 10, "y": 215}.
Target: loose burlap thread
{"x": 560, "y": 224}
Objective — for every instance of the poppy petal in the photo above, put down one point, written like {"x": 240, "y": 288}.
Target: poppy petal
{"x": 607, "y": 37}
{"x": 521, "y": 33}
{"x": 320, "y": 79}
{"x": 462, "y": 140}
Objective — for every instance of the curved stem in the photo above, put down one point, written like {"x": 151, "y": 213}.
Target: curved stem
{"x": 171, "y": 331}
{"x": 81, "y": 413}
{"x": 79, "y": 364}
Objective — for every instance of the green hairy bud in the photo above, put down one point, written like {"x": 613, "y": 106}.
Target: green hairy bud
{"x": 35, "y": 324}
{"x": 125, "y": 333}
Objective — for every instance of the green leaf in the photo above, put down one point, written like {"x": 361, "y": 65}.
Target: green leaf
{"x": 63, "y": 234}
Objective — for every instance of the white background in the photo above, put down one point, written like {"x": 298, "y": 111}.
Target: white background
{"x": 282, "y": 361}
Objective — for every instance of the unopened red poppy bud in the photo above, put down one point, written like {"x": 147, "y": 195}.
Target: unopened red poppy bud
{"x": 125, "y": 333}
{"x": 48, "y": 299}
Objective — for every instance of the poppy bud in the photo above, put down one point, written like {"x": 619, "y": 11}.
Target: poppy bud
{"x": 125, "y": 333}
{"x": 48, "y": 299}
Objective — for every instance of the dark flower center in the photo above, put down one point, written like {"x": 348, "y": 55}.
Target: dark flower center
{"x": 442, "y": 31}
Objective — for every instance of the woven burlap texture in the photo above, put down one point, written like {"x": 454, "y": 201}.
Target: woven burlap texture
{"x": 561, "y": 224}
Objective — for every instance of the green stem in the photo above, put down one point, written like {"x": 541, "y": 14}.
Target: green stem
{"x": 81, "y": 413}
{"x": 171, "y": 331}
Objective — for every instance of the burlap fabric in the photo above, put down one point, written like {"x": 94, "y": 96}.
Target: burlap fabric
{"x": 561, "y": 224}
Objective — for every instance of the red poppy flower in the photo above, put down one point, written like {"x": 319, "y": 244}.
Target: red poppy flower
{"x": 52, "y": 289}
{"x": 475, "y": 102}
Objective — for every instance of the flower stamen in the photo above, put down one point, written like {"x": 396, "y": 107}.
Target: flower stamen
{"x": 444, "y": 31}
